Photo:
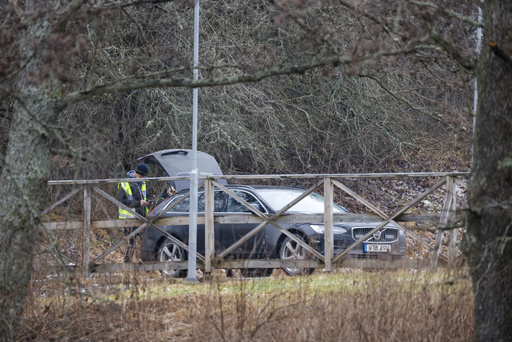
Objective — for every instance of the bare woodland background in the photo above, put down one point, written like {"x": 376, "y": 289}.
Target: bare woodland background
{"x": 297, "y": 86}
{"x": 373, "y": 116}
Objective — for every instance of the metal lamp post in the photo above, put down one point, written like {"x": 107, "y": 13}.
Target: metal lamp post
{"x": 192, "y": 228}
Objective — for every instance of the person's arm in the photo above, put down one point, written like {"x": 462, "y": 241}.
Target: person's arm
{"x": 123, "y": 198}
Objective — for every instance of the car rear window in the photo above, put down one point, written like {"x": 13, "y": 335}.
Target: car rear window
{"x": 313, "y": 203}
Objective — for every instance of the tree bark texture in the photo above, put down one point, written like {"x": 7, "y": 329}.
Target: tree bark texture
{"x": 24, "y": 181}
{"x": 488, "y": 242}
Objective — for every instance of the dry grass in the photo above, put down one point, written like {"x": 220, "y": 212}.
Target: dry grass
{"x": 348, "y": 305}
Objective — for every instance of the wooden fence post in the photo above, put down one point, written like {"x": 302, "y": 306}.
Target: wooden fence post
{"x": 328, "y": 221}
{"x": 209, "y": 252}
{"x": 446, "y": 217}
{"x": 451, "y": 234}
{"x": 86, "y": 237}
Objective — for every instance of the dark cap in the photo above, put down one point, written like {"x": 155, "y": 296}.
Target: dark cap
{"x": 142, "y": 169}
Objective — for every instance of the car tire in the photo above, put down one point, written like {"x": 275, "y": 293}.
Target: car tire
{"x": 171, "y": 251}
{"x": 290, "y": 249}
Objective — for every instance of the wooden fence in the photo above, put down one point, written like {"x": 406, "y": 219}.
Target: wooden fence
{"x": 327, "y": 183}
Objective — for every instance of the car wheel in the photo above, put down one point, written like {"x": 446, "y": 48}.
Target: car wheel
{"x": 170, "y": 251}
{"x": 290, "y": 249}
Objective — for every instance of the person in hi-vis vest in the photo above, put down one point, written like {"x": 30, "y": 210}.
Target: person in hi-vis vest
{"x": 133, "y": 195}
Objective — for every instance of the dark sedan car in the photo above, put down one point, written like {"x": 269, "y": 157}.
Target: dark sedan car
{"x": 268, "y": 243}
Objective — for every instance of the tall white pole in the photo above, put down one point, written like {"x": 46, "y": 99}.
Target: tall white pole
{"x": 475, "y": 98}
{"x": 192, "y": 228}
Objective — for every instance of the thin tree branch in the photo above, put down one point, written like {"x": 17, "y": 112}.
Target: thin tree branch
{"x": 452, "y": 14}
{"x": 409, "y": 104}
{"x": 139, "y": 31}
{"x": 120, "y": 4}
{"x": 453, "y": 51}
{"x": 123, "y": 85}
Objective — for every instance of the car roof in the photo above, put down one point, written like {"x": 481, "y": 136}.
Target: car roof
{"x": 269, "y": 187}
{"x": 178, "y": 162}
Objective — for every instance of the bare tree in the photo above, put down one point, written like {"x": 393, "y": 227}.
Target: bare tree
{"x": 57, "y": 56}
{"x": 488, "y": 239}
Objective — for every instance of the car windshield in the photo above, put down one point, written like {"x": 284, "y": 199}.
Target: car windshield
{"x": 313, "y": 203}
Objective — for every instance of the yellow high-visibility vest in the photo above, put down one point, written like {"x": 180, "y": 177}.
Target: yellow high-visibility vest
{"x": 125, "y": 214}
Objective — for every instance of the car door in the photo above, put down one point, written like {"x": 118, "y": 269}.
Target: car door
{"x": 232, "y": 232}
{"x": 219, "y": 199}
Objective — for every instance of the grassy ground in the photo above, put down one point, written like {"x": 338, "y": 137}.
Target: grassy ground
{"x": 346, "y": 305}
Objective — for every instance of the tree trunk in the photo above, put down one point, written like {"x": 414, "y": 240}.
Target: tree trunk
{"x": 488, "y": 242}
{"x": 23, "y": 184}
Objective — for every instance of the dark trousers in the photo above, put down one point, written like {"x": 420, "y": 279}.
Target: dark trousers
{"x": 128, "y": 252}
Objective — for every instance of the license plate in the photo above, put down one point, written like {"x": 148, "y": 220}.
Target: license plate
{"x": 377, "y": 248}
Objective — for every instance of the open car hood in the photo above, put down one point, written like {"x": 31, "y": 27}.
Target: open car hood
{"x": 178, "y": 162}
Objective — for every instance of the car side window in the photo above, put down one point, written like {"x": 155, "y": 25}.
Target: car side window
{"x": 184, "y": 206}
{"x": 181, "y": 207}
{"x": 218, "y": 201}
{"x": 236, "y": 207}
{"x": 200, "y": 202}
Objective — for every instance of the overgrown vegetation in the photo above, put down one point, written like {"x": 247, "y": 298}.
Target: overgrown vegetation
{"x": 367, "y": 117}
{"x": 346, "y": 305}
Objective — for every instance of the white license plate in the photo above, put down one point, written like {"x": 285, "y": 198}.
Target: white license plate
{"x": 377, "y": 248}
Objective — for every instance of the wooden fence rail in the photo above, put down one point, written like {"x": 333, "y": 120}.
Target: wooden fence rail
{"x": 326, "y": 182}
